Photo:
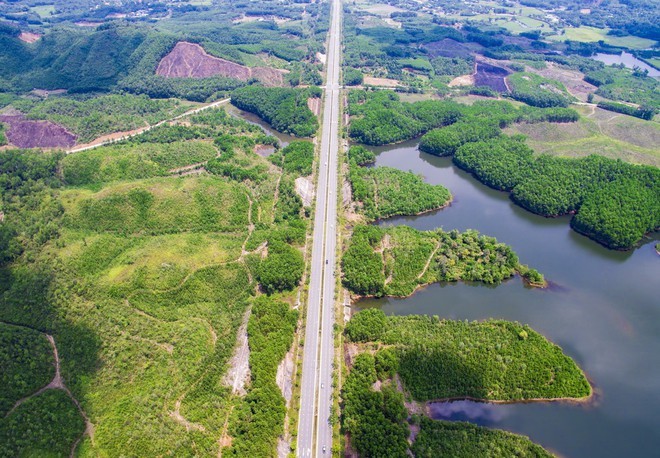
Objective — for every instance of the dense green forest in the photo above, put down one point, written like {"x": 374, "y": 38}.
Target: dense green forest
{"x": 296, "y": 158}
{"x": 375, "y": 420}
{"x": 151, "y": 273}
{"x": 465, "y": 440}
{"x": 444, "y": 359}
{"x": 27, "y": 361}
{"x": 397, "y": 260}
{"x": 284, "y": 108}
{"x": 381, "y": 192}
{"x": 435, "y": 359}
{"x": 622, "y": 201}
{"x": 380, "y": 117}
{"x": 45, "y": 425}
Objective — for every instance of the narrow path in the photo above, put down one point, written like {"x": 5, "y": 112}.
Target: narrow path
{"x": 118, "y": 136}
{"x": 57, "y": 383}
{"x": 428, "y": 261}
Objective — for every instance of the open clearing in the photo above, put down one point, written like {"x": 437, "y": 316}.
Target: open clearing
{"x": 592, "y": 34}
{"x": 190, "y": 60}
{"x": 598, "y": 131}
{"x": 26, "y": 133}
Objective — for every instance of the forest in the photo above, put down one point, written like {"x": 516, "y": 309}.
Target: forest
{"x": 380, "y": 118}
{"x": 382, "y": 192}
{"x": 395, "y": 261}
{"x": 436, "y": 359}
{"x": 283, "y": 108}
{"x": 466, "y": 440}
{"x": 622, "y": 201}
{"x": 123, "y": 261}
{"x": 492, "y": 359}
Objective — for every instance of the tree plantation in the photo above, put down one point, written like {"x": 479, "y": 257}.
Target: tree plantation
{"x": 438, "y": 359}
{"x": 123, "y": 256}
{"x": 396, "y": 261}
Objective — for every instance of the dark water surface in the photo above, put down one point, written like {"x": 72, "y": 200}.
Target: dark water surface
{"x": 603, "y": 310}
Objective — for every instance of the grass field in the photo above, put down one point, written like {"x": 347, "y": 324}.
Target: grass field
{"x": 591, "y": 34}
{"x": 597, "y": 132}
{"x": 43, "y": 10}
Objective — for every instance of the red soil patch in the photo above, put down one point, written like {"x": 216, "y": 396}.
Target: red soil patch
{"x": 29, "y": 37}
{"x": 314, "y": 104}
{"x": 189, "y": 60}
{"x": 26, "y": 133}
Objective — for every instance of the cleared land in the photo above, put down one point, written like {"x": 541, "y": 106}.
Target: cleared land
{"x": 190, "y": 60}
{"x": 598, "y": 131}
{"x": 592, "y": 34}
{"x": 26, "y": 133}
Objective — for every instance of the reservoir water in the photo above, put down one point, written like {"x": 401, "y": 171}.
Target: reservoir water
{"x": 626, "y": 59}
{"x": 603, "y": 310}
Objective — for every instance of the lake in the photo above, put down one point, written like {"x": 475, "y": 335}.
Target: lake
{"x": 603, "y": 310}
{"x": 626, "y": 59}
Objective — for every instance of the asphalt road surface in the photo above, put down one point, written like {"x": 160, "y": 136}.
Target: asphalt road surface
{"x": 314, "y": 429}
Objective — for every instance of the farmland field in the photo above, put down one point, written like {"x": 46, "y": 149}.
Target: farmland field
{"x": 591, "y": 34}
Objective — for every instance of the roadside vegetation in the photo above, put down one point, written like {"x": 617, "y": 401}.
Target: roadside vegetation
{"x": 283, "y": 108}
{"x": 259, "y": 417}
{"x": 124, "y": 262}
{"x": 395, "y": 261}
{"x": 381, "y": 192}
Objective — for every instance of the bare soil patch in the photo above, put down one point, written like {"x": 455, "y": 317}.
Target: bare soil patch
{"x": 314, "y": 104}
{"x": 385, "y": 82}
{"x": 189, "y": 60}
{"x": 463, "y": 80}
{"x": 264, "y": 150}
{"x": 26, "y": 133}
{"x": 238, "y": 373}
{"x": 572, "y": 79}
{"x": 491, "y": 76}
{"x": 305, "y": 189}
{"x": 29, "y": 37}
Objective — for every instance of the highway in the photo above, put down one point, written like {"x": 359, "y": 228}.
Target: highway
{"x": 314, "y": 429}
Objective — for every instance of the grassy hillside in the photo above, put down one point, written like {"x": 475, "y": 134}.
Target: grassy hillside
{"x": 143, "y": 278}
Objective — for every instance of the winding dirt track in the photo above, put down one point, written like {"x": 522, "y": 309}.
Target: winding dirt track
{"x": 57, "y": 384}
